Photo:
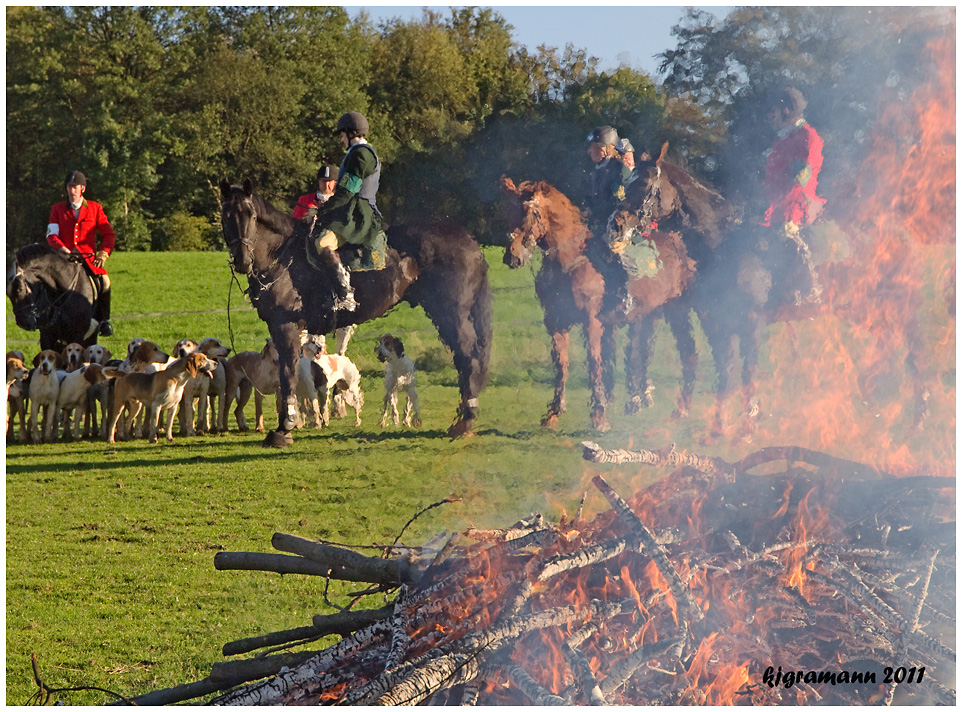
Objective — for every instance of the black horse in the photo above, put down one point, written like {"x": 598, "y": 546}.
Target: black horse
{"x": 731, "y": 294}
{"x": 437, "y": 266}
{"x": 52, "y": 293}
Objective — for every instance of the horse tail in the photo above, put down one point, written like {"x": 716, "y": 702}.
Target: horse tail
{"x": 481, "y": 318}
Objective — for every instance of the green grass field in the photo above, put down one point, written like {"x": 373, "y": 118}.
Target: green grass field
{"x": 110, "y": 576}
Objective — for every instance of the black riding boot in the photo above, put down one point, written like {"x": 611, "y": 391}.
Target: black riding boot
{"x": 342, "y": 281}
{"x": 102, "y": 310}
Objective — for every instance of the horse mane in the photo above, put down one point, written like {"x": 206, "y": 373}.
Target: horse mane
{"x": 563, "y": 204}
{"x": 33, "y": 251}
{"x": 272, "y": 217}
{"x": 703, "y": 207}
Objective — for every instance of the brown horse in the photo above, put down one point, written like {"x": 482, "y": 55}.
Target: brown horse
{"x": 572, "y": 289}
{"x": 437, "y": 266}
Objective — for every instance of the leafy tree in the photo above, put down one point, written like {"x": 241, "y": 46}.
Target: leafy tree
{"x": 83, "y": 81}
{"x": 848, "y": 61}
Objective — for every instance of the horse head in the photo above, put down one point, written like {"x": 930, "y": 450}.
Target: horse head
{"x": 24, "y": 300}
{"x": 238, "y": 219}
{"x": 650, "y": 197}
{"x": 526, "y": 220}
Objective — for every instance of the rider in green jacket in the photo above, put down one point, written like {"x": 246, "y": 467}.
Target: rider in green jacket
{"x": 351, "y": 215}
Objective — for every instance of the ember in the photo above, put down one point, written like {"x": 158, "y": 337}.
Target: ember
{"x": 712, "y": 586}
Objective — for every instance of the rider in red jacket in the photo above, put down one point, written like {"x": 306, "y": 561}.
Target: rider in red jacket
{"x": 73, "y": 228}
{"x": 308, "y": 203}
{"x": 791, "y": 179}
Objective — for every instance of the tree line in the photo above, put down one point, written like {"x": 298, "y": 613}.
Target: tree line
{"x": 157, "y": 104}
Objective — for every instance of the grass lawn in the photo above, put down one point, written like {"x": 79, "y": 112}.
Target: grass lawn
{"x": 110, "y": 576}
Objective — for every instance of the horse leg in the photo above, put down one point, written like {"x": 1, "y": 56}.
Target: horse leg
{"x": 608, "y": 361}
{"x": 749, "y": 345}
{"x": 641, "y": 340}
{"x": 560, "y": 341}
{"x": 286, "y": 337}
{"x": 463, "y": 321}
{"x": 678, "y": 318}
{"x": 594, "y": 336}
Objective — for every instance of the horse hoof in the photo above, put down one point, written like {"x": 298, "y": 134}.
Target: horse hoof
{"x": 550, "y": 420}
{"x": 461, "y": 429}
{"x": 278, "y": 439}
{"x": 679, "y": 413}
{"x": 601, "y": 424}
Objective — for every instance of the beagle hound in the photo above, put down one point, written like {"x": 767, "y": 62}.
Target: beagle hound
{"x": 247, "y": 372}
{"x": 398, "y": 376}
{"x": 159, "y": 392}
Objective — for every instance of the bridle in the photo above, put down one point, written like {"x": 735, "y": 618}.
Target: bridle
{"x": 38, "y": 304}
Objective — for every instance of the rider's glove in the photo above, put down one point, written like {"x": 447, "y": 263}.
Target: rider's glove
{"x": 100, "y": 259}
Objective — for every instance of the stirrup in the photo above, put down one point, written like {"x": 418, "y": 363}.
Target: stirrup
{"x": 347, "y": 303}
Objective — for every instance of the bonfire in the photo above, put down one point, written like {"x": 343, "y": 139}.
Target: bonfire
{"x": 824, "y": 582}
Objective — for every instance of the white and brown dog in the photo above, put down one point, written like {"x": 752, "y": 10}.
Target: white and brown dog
{"x": 333, "y": 377}
{"x": 399, "y": 377}
{"x": 306, "y": 390}
{"x": 73, "y": 355}
{"x": 73, "y": 400}
{"x": 16, "y": 375}
{"x": 158, "y": 392}
{"x": 98, "y": 403}
{"x": 251, "y": 372}
{"x": 44, "y": 390}
{"x": 207, "y": 391}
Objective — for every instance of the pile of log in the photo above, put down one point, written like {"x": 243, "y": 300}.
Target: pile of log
{"x": 823, "y": 583}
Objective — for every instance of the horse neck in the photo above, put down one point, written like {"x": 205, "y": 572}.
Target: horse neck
{"x": 565, "y": 238}
{"x": 273, "y": 230}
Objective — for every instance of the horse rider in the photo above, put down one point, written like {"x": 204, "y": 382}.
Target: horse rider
{"x": 791, "y": 179}
{"x": 605, "y": 192}
{"x": 306, "y": 207}
{"x": 351, "y": 215}
{"x": 73, "y": 228}
{"x": 626, "y": 153}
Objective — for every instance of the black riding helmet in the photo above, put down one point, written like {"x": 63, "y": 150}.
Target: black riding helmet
{"x": 603, "y": 134}
{"x": 789, "y": 100}
{"x": 353, "y": 121}
{"x": 75, "y": 178}
{"x": 327, "y": 172}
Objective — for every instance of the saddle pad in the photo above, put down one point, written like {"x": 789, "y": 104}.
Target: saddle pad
{"x": 641, "y": 258}
{"x": 364, "y": 258}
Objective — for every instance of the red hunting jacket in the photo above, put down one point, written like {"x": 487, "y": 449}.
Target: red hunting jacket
{"x": 306, "y": 203}
{"x": 80, "y": 233}
{"x": 791, "y": 177}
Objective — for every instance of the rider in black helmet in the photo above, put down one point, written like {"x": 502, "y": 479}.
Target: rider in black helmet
{"x": 351, "y": 215}
{"x": 606, "y": 190}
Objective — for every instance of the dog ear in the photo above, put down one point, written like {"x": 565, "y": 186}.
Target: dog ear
{"x": 61, "y": 360}
{"x": 398, "y": 347}
{"x": 36, "y": 359}
{"x": 107, "y": 355}
{"x": 192, "y": 365}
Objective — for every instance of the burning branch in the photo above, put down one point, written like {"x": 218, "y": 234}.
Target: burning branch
{"x": 715, "y": 580}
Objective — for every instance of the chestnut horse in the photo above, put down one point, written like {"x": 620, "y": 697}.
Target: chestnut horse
{"x": 439, "y": 267}
{"x": 572, "y": 289}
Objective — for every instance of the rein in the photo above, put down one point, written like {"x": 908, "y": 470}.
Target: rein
{"x": 51, "y": 304}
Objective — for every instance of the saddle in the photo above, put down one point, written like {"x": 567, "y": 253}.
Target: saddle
{"x": 365, "y": 258}
{"x": 355, "y": 258}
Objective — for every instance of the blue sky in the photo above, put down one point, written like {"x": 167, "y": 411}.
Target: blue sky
{"x": 615, "y": 34}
